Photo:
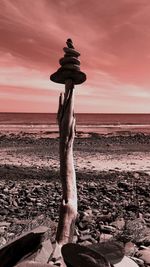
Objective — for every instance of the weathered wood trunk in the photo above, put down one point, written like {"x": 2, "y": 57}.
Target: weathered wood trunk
{"x": 68, "y": 208}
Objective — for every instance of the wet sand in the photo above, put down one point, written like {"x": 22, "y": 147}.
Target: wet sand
{"x": 99, "y": 152}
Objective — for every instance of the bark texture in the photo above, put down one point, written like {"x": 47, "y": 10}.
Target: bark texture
{"x": 68, "y": 207}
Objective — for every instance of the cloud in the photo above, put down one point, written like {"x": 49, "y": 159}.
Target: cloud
{"x": 24, "y": 77}
{"x": 112, "y": 36}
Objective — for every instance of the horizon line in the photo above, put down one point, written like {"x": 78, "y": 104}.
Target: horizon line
{"x": 115, "y": 113}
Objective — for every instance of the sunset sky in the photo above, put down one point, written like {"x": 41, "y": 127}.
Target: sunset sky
{"x": 113, "y": 37}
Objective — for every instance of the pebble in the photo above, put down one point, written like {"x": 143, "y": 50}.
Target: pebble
{"x": 84, "y": 237}
{"x": 138, "y": 261}
{"x": 2, "y": 229}
{"x": 145, "y": 255}
{"x": 85, "y": 243}
{"x": 107, "y": 229}
{"x": 4, "y": 223}
{"x": 71, "y": 51}
{"x": 71, "y": 67}
{"x": 66, "y": 60}
{"x": 2, "y": 241}
{"x": 105, "y": 237}
{"x": 130, "y": 249}
{"x": 119, "y": 223}
{"x": 126, "y": 262}
{"x": 101, "y": 209}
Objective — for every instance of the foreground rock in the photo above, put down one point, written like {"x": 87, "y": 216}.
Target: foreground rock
{"x": 29, "y": 243}
{"x": 111, "y": 205}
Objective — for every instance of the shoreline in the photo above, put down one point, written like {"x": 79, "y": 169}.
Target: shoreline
{"x": 52, "y": 128}
{"x": 92, "y": 151}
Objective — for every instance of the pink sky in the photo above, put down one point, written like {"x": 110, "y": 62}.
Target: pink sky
{"x": 113, "y": 37}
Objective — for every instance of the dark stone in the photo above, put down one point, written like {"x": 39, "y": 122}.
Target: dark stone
{"x": 21, "y": 247}
{"x": 66, "y": 60}
{"x": 71, "y": 67}
{"x": 62, "y": 75}
{"x": 71, "y": 51}
{"x": 77, "y": 255}
{"x": 112, "y": 250}
{"x": 70, "y": 43}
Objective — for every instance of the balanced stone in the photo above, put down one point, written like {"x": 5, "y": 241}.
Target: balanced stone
{"x": 71, "y": 51}
{"x": 66, "y": 60}
{"x": 62, "y": 75}
{"x": 70, "y": 67}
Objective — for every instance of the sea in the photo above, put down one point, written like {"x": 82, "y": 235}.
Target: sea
{"x": 85, "y": 122}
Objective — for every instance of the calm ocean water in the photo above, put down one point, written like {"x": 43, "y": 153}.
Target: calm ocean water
{"x": 34, "y": 122}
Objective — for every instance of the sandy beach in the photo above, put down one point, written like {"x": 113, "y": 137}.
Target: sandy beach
{"x": 113, "y": 175}
{"x": 124, "y": 151}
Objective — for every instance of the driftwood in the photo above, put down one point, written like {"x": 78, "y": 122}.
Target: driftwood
{"x": 68, "y": 208}
{"x": 69, "y": 74}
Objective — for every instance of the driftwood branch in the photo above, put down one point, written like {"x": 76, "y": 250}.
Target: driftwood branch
{"x": 68, "y": 208}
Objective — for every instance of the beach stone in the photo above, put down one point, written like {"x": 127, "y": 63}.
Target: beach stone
{"x": 62, "y": 75}
{"x": 112, "y": 250}
{"x": 145, "y": 240}
{"x": 25, "y": 245}
{"x": 2, "y": 196}
{"x": 71, "y": 51}
{"x": 84, "y": 238}
{"x": 11, "y": 234}
{"x": 145, "y": 255}
{"x": 123, "y": 185}
{"x": 142, "y": 247}
{"x": 119, "y": 223}
{"x": 82, "y": 225}
{"x": 130, "y": 249}
{"x": 34, "y": 264}
{"x": 85, "y": 243}
{"x": 66, "y": 60}
{"x": 135, "y": 229}
{"x": 83, "y": 232}
{"x": 88, "y": 213}
{"x": 2, "y": 241}
{"x": 71, "y": 67}
{"x": 6, "y": 190}
{"x": 105, "y": 218}
{"x": 4, "y": 211}
{"x": 75, "y": 239}
{"x": 14, "y": 203}
{"x": 138, "y": 261}
{"x": 105, "y": 237}
{"x": 126, "y": 262}
{"x": 136, "y": 175}
{"x": 107, "y": 229}
{"x": 95, "y": 212}
{"x": 4, "y": 223}
{"x": 2, "y": 229}
{"x": 87, "y": 216}
{"x": 44, "y": 253}
{"x": 41, "y": 256}
{"x": 77, "y": 255}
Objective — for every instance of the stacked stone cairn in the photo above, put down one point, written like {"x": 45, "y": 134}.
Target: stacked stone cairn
{"x": 70, "y": 66}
